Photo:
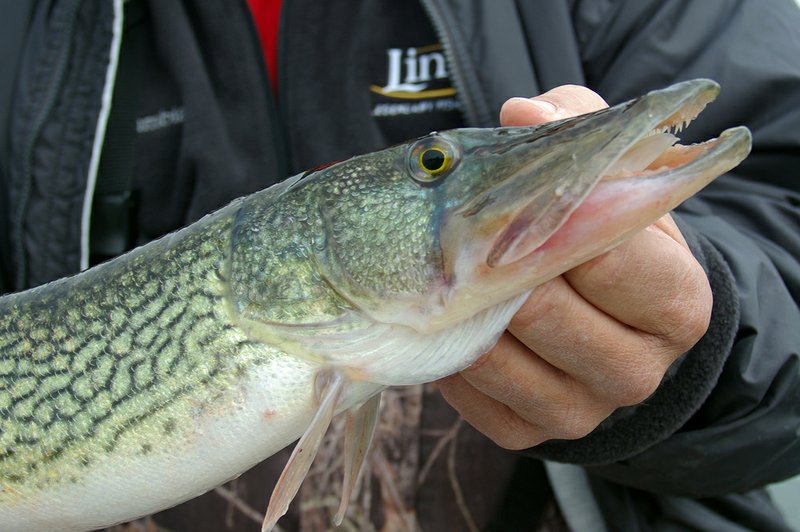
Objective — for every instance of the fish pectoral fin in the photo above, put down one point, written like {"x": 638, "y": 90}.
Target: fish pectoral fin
{"x": 360, "y": 428}
{"x": 331, "y": 383}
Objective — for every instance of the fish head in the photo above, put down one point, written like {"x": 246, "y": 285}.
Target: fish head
{"x": 431, "y": 232}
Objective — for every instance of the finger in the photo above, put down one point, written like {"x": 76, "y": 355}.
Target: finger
{"x": 614, "y": 361}
{"x": 537, "y": 391}
{"x": 562, "y": 102}
{"x": 651, "y": 282}
{"x": 670, "y": 228}
{"x": 489, "y": 416}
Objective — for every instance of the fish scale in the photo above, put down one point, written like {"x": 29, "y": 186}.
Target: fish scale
{"x": 132, "y": 354}
{"x": 154, "y": 377}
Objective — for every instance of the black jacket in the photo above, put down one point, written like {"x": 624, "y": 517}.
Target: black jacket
{"x": 724, "y": 423}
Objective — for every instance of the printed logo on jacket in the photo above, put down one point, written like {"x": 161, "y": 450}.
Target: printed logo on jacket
{"x": 417, "y": 81}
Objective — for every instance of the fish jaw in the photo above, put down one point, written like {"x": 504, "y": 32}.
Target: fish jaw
{"x": 606, "y": 175}
{"x": 615, "y": 209}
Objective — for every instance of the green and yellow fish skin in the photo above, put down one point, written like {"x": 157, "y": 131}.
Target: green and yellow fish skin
{"x": 116, "y": 360}
{"x": 154, "y": 377}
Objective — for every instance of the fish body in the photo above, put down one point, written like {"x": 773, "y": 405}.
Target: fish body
{"x": 116, "y": 381}
{"x": 152, "y": 378}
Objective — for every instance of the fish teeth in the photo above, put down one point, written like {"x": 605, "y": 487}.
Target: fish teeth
{"x": 680, "y": 123}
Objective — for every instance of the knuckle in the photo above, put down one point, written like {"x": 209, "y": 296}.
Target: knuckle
{"x": 577, "y": 415}
{"x": 510, "y": 442}
{"x": 516, "y": 441}
{"x": 573, "y": 427}
{"x": 538, "y": 304}
{"x": 637, "y": 386}
{"x": 693, "y": 328}
{"x": 514, "y": 433}
{"x": 493, "y": 362}
{"x": 486, "y": 362}
{"x": 688, "y": 325}
{"x": 548, "y": 306}
{"x": 687, "y": 316}
{"x": 579, "y": 421}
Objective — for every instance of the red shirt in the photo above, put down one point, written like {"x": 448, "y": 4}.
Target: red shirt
{"x": 267, "y": 16}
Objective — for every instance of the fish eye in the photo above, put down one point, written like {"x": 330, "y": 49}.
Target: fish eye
{"x": 431, "y": 158}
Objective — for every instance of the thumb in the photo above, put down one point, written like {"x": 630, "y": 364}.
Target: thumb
{"x": 562, "y": 102}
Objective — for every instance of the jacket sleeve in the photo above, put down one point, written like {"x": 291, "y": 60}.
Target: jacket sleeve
{"x": 726, "y": 417}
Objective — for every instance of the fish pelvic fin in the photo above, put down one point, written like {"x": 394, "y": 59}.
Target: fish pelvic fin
{"x": 360, "y": 428}
{"x": 330, "y": 384}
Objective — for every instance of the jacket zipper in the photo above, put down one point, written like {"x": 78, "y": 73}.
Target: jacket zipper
{"x": 476, "y": 112}
{"x": 100, "y": 129}
{"x": 44, "y": 112}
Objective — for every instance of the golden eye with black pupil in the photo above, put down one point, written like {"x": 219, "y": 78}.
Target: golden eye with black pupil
{"x": 431, "y": 158}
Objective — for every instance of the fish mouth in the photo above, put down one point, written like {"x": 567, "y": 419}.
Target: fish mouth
{"x": 644, "y": 172}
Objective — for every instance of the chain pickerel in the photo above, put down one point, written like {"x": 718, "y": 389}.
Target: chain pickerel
{"x": 157, "y": 376}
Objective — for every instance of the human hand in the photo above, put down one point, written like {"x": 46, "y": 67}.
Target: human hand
{"x": 596, "y": 338}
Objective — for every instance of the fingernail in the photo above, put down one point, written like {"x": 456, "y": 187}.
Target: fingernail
{"x": 544, "y": 105}
{"x": 518, "y": 111}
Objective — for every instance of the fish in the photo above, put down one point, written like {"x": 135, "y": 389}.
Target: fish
{"x": 152, "y": 378}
